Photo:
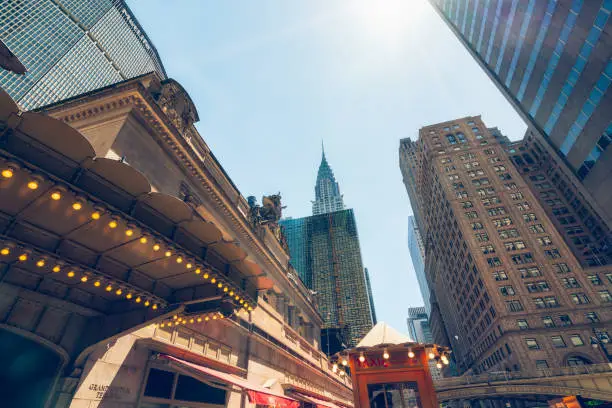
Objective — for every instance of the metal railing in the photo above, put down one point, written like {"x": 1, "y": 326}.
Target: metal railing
{"x": 508, "y": 376}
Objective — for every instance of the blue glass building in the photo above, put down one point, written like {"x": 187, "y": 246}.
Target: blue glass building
{"x": 70, "y": 47}
{"x": 552, "y": 59}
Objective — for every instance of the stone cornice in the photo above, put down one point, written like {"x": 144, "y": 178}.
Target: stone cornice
{"x": 133, "y": 94}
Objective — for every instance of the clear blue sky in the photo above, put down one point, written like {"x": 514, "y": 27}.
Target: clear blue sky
{"x": 271, "y": 78}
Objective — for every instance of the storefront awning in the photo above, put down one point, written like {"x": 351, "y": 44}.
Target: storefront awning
{"x": 257, "y": 394}
{"x": 319, "y": 403}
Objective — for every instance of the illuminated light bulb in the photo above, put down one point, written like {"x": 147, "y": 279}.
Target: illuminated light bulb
{"x": 33, "y": 185}
{"x": 97, "y": 284}
{"x": 335, "y": 367}
{"x": 154, "y": 307}
{"x": 70, "y": 274}
{"x": 219, "y": 285}
{"x": 5, "y": 251}
{"x": 156, "y": 247}
{"x": 109, "y": 288}
{"x": 162, "y": 325}
{"x": 250, "y": 309}
{"x": 410, "y": 353}
{"x": 129, "y": 232}
{"x": 95, "y": 215}
{"x": 213, "y": 280}
{"x": 342, "y": 373}
{"x": 231, "y": 293}
{"x": 199, "y": 320}
{"x": 169, "y": 324}
{"x": 225, "y": 289}
{"x": 56, "y": 268}
{"x": 113, "y": 224}
{"x": 386, "y": 354}
{"x": 198, "y": 271}
{"x": 361, "y": 358}
{"x": 129, "y": 296}
{"x": 246, "y": 304}
{"x": 179, "y": 260}
{"x": 191, "y": 321}
{"x": 237, "y": 298}
{"x": 438, "y": 365}
{"x": 23, "y": 257}
{"x": 40, "y": 263}
{"x": 56, "y": 195}
{"x": 215, "y": 317}
{"x": 189, "y": 266}
{"x": 207, "y": 318}
{"x": 7, "y": 173}
{"x": 205, "y": 276}
{"x": 241, "y": 301}
{"x": 84, "y": 279}
{"x": 175, "y": 317}
{"x": 431, "y": 355}
{"x": 76, "y": 206}
{"x": 118, "y": 292}
{"x": 147, "y": 303}
{"x": 143, "y": 240}
{"x": 168, "y": 254}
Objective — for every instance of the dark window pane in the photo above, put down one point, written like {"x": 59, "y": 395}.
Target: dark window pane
{"x": 190, "y": 389}
{"x": 159, "y": 384}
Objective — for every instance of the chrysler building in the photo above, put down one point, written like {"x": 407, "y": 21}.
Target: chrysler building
{"x": 327, "y": 192}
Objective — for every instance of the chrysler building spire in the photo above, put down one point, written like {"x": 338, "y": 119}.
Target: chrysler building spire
{"x": 327, "y": 192}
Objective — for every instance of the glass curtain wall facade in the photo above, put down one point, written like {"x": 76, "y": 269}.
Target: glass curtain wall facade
{"x": 417, "y": 254}
{"x": 326, "y": 253}
{"x": 552, "y": 60}
{"x": 70, "y": 47}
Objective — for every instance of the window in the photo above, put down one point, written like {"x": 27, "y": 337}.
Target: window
{"x": 500, "y": 276}
{"x": 565, "y": 320}
{"x": 510, "y": 186}
{"x": 467, "y": 204}
{"x": 453, "y": 177}
{"x": 451, "y": 139}
{"x": 530, "y": 217}
{"x": 558, "y": 341}
{"x": 516, "y": 196}
{"x": 494, "y": 160}
{"x": 522, "y": 258}
{"x": 477, "y": 226}
{"x": 576, "y": 340}
{"x": 490, "y": 201}
{"x": 502, "y": 222}
{"x": 499, "y": 168}
{"x": 605, "y": 296}
{"x": 487, "y": 249}
{"x": 514, "y": 306}
{"x": 580, "y": 298}
{"x": 467, "y": 156}
{"x": 570, "y": 283}
{"x": 524, "y": 206}
{"x": 541, "y": 286}
{"x": 561, "y": 268}
{"x": 514, "y": 245}
{"x": 489, "y": 151}
{"x": 547, "y": 302}
{"x": 448, "y": 169}
{"x": 591, "y": 317}
{"x": 594, "y": 279}
{"x": 532, "y": 272}
{"x": 461, "y": 194}
{"x": 445, "y": 160}
{"x": 494, "y": 262}
{"x": 541, "y": 364}
{"x": 505, "y": 176}
{"x": 532, "y": 344}
{"x": 548, "y": 322}
{"x": 471, "y": 214}
{"x": 522, "y": 324}
{"x": 536, "y": 229}
{"x": 609, "y": 277}
{"x": 482, "y": 237}
{"x": 159, "y": 384}
{"x": 509, "y": 233}
{"x": 480, "y": 182}
{"x": 471, "y": 165}
{"x": 496, "y": 211}
{"x": 552, "y": 253}
{"x": 544, "y": 241}
{"x": 507, "y": 290}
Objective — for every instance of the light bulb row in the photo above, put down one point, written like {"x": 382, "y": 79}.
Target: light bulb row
{"x": 78, "y": 204}
{"x": 179, "y": 320}
{"x": 57, "y": 268}
{"x": 432, "y": 354}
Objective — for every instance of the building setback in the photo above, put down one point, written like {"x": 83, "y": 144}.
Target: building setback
{"x": 72, "y": 47}
{"x": 510, "y": 292}
{"x": 552, "y": 60}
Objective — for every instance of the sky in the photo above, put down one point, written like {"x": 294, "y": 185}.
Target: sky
{"x": 271, "y": 79}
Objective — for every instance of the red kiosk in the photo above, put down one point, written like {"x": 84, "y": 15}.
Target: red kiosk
{"x": 391, "y": 371}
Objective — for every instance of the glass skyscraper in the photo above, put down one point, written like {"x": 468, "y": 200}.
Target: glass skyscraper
{"x": 70, "y": 47}
{"x": 417, "y": 254}
{"x": 552, "y": 60}
{"x": 370, "y": 296}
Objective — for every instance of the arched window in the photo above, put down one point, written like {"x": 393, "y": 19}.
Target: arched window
{"x": 573, "y": 361}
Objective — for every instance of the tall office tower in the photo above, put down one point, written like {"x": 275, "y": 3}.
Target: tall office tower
{"x": 552, "y": 60}
{"x": 330, "y": 264}
{"x": 417, "y": 254}
{"x": 511, "y": 293}
{"x": 566, "y": 202}
{"x": 370, "y": 296}
{"x": 418, "y": 325}
{"x": 72, "y": 47}
{"x": 327, "y": 192}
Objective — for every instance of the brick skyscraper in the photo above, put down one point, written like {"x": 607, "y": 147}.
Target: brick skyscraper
{"x": 510, "y": 292}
